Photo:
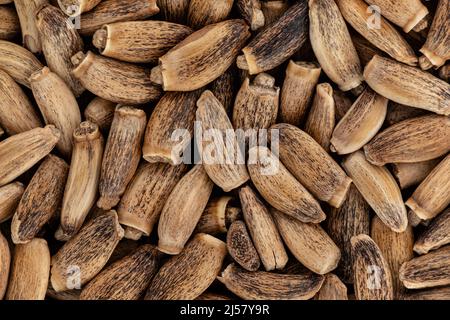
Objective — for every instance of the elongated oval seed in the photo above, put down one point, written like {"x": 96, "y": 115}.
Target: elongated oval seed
{"x": 383, "y": 35}
{"x": 183, "y": 209}
{"x": 60, "y": 41}
{"x": 206, "y": 12}
{"x": 9, "y": 23}
{"x": 309, "y": 243}
{"x": 122, "y": 154}
{"x": 16, "y": 111}
{"x": 222, "y": 160}
{"x": 85, "y": 255}
{"x": 10, "y": 196}
{"x": 218, "y": 215}
{"x": 429, "y": 270}
{"x": 74, "y": 8}
{"x": 412, "y": 174}
{"x": 82, "y": 183}
{"x": 170, "y": 127}
{"x": 332, "y": 44}
{"x": 22, "y": 151}
{"x": 58, "y": 106}
{"x": 298, "y": 91}
{"x": 379, "y": 189}
{"x": 321, "y": 119}
{"x": 432, "y": 196}
{"x": 408, "y": 15}
{"x": 312, "y": 165}
{"x": 146, "y": 195}
{"x": 252, "y": 13}
{"x": 26, "y": 10}
{"x": 396, "y": 249}
{"x": 280, "y": 188}
{"x": 332, "y": 289}
{"x": 111, "y": 11}
{"x": 351, "y": 219}
{"x": 114, "y": 80}
{"x": 408, "y": 85}
{"x": 261, "y": 285}
{"x": 360, "y": 124}
{"x": 372, "y": 276}
{"x": 256, "y": 104}
{"x": 436, "y": 235}
{"x": 189, "y": 274}
{"x": 202, "y": 57}
{"x": 41, "y": 199}
{"x": 263, "y": 230}
{"x": 413, "y": 140}
{"x": 30, "y": 271}
{"x": 241, "y": 248}
{"x": 18, "y": 62}
{"x": 127, "y": 278}
{"x": 174, "y": 10}
{"x": 139, "y": 41}
{"x": 5, "y": 261}
{"x": 100, "y": 112}
{"x": 275, "y": 44}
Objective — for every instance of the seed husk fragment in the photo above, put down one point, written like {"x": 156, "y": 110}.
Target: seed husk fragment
{"x": 351, "y": 219}
{"x": 384, "y": 36}
{"x": 174, "y": 10}
{"x": 202, "y": 57}
{"x": 189, "y": 274}
{"x": 10, "y": 196}
{"x": 5, "y": 261}
{"x": 332, "y": 289}
{"x": 280, "y": 188}
{"x": 312, "y": 165}
{"x": 110, "y": 11}
{"x": 379, "y": 189}
{"x": 372, "y": 276}
{"x": 218, "y": 215}
{"x": 261, "y": 285}
{"x": 146, "y": 195}
{"x": 18, "y": 62}
{"x": 279, "y": 41}
{"x": 122, "y": 154}
{"x": 20, "y": 152}
{"x": 84, "y": 256}
{"x": 58, "y": 106}
{"x": 174, "y": 112}
{"x": 273, "y": 10}
{"x": 26, "y": 10}
{"x": 432, "y": 196}
{"x": 429, "y": 270}
{"x": 321, "y": 119}
{"x": 113, "y": 80}
{"x": 41, "y": 199}
{"x": 396, "y": 249}
{"x": 74, "y": 8}
{"x": 16, "y": 111}
{"x": 413, "y": 140}
{"x": 412, "y": 174}
{"x": 183, "y": 209}
{"x": 360, "y": 124}
{"x": 100, "y": 112}
{"x": 9, "y": 23}
{"x": 436, "y": 234}
{"x": 408, "y": 85}
{"x": 30, "y": 270}
{"x": 252, "y": 13}
{"x": 263, "y": 231}
{"x": 298, "y": 91}
{"x": 333, "y": 45}
{"x": 205, "y": 12}
{"x": 224, "y": 165}
{"x": 139, "y": 41}
{"x": 126, "y": 279}
{"x": 241, "y": 248}
{"x": 60, "y": 41}
{"x": 82, "y": 183}
{"x": 256, "y": 104}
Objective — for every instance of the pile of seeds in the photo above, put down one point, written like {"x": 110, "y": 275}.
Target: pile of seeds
{"x": 220, "y": 149}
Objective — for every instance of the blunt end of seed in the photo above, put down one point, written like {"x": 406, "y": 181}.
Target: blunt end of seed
{"x": 417, "y": 210}
{"x": 367, "y": 154}
{"x": 340, "y": 195}
{"x": 107, "y": 203}
{"x": 258, "y": 20}
{"x": 425, "y": 63}
{"x": 61, "y": 235}
{"x": 81, "y": 62}
{"x": 168, "y": 248}
{"x": 241, "y": 62}
{"x": 86, "y": 131}
{"x": 100, "y": 38}
{"x": 419, "y": 22}
{"x": 68, "y": 6}
{"x": 160, "y": 156}
{"x": 132, "y": 233}
{"x": 40, "y": 75}
{"x": 156, "y": 76}
{"x": 31, "y": 43}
